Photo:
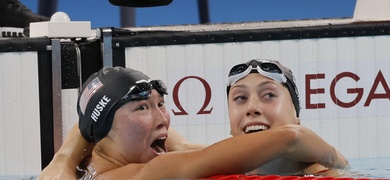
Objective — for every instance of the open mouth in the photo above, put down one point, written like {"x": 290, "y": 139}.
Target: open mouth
{"x": 158, "y": 145}
{"x": 255, "y": 128}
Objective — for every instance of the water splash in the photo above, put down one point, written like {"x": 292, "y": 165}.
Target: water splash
{"x": 89, "y": 173}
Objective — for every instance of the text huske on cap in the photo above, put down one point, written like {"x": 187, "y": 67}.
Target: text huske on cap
{"x": 100, "y": 107}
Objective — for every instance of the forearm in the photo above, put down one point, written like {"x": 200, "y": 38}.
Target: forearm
{"x": 75, "y": 148}
{"x": 244, "y": 153}
{"x": 176, "y": 142}
{"x": 309, "y": 147}
{"x": 71, "y": 153}
{"x": 239, "y": 154}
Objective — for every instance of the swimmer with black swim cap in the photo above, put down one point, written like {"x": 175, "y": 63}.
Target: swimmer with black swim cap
{"x": 105, "y": 92}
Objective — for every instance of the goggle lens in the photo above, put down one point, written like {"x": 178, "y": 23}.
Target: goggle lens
{"x": 238, "y": 69}
{"x": 270, "y": 67}
{"x": 160, "y": 87}
{"x": 143, "y": 90}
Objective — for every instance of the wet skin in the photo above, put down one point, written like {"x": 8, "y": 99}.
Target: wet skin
{"x": 257, "y": 103}
{"x": 137, "y": 135}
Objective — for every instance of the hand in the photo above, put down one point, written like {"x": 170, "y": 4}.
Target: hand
{"x": 307, "y": 146}
{"x": 58, "y": 169}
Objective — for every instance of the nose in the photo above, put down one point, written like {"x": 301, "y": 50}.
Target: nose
{"x": 162, "y": 118}
{"x": 254, "y": 107}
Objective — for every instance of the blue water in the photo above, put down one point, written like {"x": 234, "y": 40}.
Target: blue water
{"x": 369, "y": 168}
{"x": 360, "y": 168}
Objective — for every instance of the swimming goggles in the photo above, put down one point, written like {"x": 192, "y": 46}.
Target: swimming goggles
{"x": 143, "y": 89}
{"x": 267, "y": 68}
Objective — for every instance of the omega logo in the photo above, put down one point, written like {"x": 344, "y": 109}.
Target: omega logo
{"x": 378, "y": 81}
{"x": 175, "y": 96}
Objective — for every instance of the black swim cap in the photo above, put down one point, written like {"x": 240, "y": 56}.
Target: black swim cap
{"x": 99, "y": 99}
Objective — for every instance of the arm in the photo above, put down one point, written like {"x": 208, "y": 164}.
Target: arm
{"x": 75, "y": 148}
{"x": 240, "y": 154}
{"x": 176, "y": 142}
{"x": 309, "y": 147}
{"x": 71, "y": 153}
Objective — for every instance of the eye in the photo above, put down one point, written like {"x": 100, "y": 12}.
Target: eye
{"x": 161, "y": 104}
{"x": 270, "y": 95}
{"x": 142, "y": 107}
{"x": 240, "y": 98}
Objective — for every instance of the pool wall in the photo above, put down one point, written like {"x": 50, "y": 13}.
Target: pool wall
{"x": 341, "y": 68}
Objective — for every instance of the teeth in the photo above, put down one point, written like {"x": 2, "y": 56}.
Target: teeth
{"x": 160, "y": 150}
{"x": 255, "y": 128}
{"x": 162, "y": 138}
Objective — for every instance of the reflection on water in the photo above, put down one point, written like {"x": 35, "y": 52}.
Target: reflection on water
{"x": 18, "y": 178}
{"x": 369, "y": 168}
{"x": 360, "y": 168}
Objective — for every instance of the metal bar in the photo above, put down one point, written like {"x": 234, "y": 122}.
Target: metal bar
{"x": 127, "y": 17}
{"x": 107, "y": 46}
{"x": 57, "y": 87}
{"x": 47, "y": 7}
{"x": 79, "y": 67}
{"x": 203, "y": 6}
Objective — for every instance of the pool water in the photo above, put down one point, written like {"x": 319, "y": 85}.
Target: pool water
{"x": 371, "y": 168}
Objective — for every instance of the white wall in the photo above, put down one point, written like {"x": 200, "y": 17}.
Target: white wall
{"x": 369, "y": 10}
{"x": 69, "y": 110}
{"x": 20, "y": 146}
{"x": 357, "y": 131}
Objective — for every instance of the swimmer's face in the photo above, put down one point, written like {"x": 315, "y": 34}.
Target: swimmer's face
{"x": 140, "y": 129}
{"x": 258, "y": 103}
